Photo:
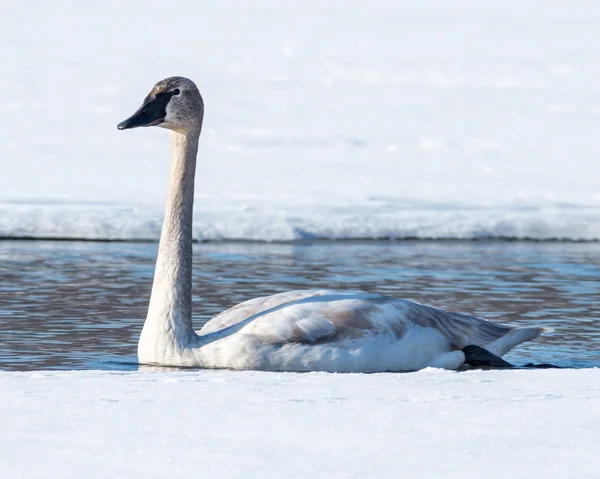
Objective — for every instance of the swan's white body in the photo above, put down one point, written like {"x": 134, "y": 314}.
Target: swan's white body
{"x": 293, "y": 331}
{"x": 320, "y": 330}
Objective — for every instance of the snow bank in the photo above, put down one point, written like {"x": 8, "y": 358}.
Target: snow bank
{"x": 246, "y": 424}
{"x": 323, "y": 119}
{"x": 376, "y": 219}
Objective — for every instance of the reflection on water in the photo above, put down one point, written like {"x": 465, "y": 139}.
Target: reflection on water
{"x": 81, "y": 305}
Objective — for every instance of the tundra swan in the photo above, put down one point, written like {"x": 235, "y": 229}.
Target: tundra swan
{"x": 310, "y": 330}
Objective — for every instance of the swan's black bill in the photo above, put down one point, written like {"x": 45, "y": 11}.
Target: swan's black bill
{"x": 152, "y": 112}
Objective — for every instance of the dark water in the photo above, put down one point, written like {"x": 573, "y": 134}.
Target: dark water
{"x": 81, "y": 305}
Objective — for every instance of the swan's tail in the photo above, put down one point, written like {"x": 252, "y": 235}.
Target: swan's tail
{"x": 463, "y": 330}
{"x": 512, "y": 338}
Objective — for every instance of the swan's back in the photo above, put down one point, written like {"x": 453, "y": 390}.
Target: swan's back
{"x": 323, "y": 316}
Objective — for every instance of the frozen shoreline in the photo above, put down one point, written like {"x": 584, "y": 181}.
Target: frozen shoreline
{"x": 433, "y": 423}
{"x": 368, "y": 220}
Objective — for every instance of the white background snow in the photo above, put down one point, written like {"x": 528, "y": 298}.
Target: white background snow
{"x": 323, "y": 118}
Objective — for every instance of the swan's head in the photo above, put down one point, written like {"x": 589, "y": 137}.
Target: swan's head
{"x": 174, "y": 103}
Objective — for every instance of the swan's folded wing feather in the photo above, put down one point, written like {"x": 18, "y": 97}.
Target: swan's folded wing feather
{"x": 312, "y": 316}
{"x": 304, "y": 316}
{"x": 252, "y": 307}
{"x": 460, "y": 329}
{"x": 328, "y": 316}
{"x": 319, "y": 319}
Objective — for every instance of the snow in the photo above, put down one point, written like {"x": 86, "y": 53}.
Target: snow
{"x": 323, "y": 118}
{"x": 492, "y": 424}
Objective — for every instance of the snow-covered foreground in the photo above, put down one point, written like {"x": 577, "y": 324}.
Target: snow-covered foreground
{"x": 244, "y": 424}
{"x": 323, "y": 118}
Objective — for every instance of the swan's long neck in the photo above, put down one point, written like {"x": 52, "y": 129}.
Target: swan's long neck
{"x": 168, "y": 326}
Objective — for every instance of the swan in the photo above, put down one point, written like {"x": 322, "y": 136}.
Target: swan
{"x": 308, "y": 330}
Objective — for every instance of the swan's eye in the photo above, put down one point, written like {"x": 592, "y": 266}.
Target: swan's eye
{"x": 176, "y": 91}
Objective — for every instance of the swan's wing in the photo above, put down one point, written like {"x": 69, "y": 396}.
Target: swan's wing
{"x": 328, "y": 316}
{"x": 248, "y": 308}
